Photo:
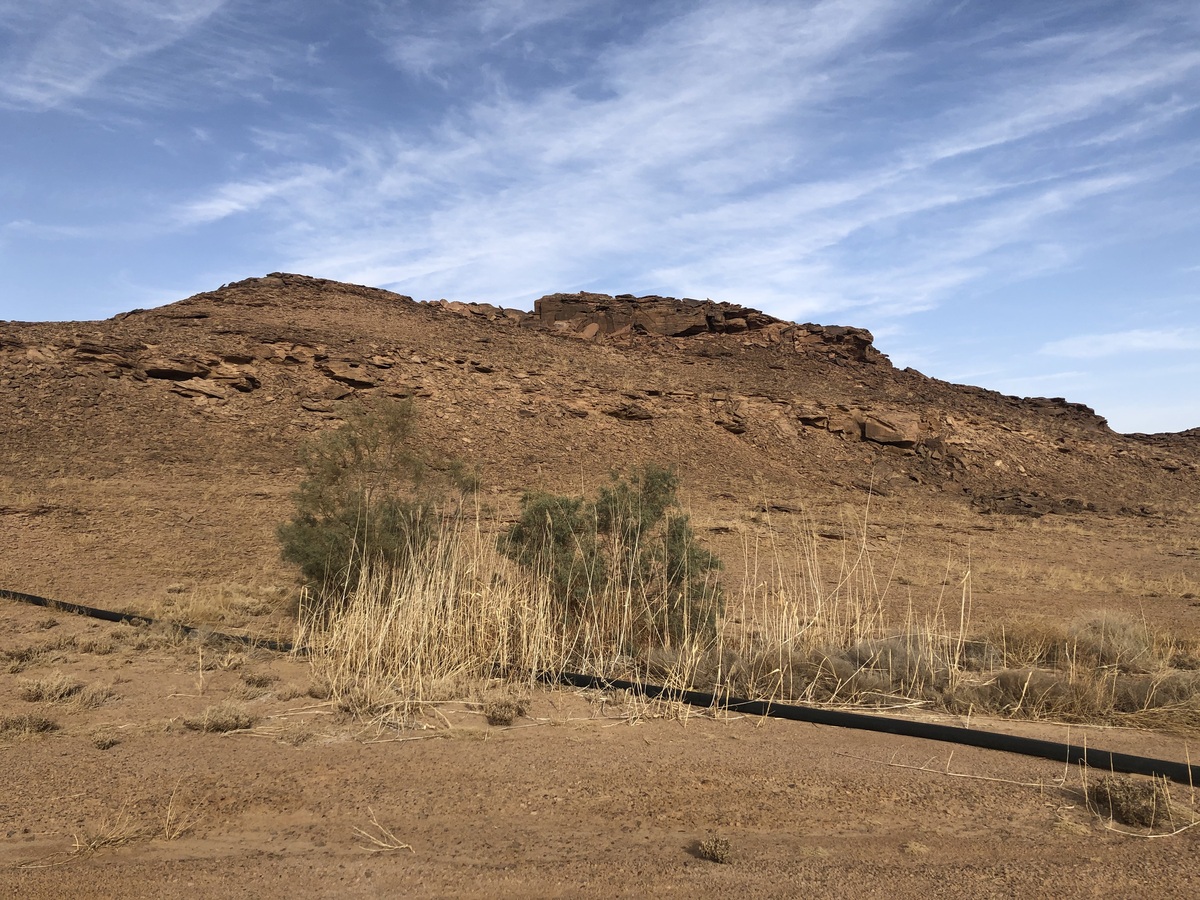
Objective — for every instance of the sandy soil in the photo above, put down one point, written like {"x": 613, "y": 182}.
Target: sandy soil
{"x": 585, "y": 796}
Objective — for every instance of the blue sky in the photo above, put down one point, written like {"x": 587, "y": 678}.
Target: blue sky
{"x": 1006, "y": 193}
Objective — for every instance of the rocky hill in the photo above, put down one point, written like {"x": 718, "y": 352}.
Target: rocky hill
{"x": 158, "y": 447}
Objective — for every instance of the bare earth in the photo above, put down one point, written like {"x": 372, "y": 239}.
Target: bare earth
{"x": 130, "y": 481}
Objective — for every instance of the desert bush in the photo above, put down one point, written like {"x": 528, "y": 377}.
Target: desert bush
{"x": 629, "y": 558}
{"x": 368, "y": 496}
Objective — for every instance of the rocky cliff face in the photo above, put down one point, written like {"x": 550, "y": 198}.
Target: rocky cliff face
{"x": 593, "y": 316}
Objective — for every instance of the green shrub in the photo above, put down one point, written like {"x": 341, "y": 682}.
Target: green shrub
{"x": 556, "y": 537}
{"x": 629, "y": 556}
{"x": 367, "y": 497}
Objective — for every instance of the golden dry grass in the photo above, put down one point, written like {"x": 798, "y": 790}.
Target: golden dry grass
{"x": 816, "y": 621}
{"x": 228, "y": 715}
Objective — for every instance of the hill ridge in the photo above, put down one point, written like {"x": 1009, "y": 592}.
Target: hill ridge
{"x": 127, "y": 419}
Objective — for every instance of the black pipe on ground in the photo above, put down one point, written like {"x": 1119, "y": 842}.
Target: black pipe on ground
{"x": 1106, "y": 760}
{"x": 1182, "y": 773}
{"x": 132, "y": 618}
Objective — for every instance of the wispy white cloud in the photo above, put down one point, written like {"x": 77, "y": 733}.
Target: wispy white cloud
{"x": 67, "y": 47}
{"x": 245, "y": 196}
{"x": 27, "y": 228}
{"x": 1137, "y": 340}
{"x": 703, "y": 159}
{"x": 428, "y": 45}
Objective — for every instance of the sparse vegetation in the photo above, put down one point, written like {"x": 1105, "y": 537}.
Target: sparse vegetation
{"x": 503, "y": 711}
{"x": 296, "y": 733}
{"x": 412, "y": 634}
{"x": 20, "y": 658}
{"x": 24, "y": 725}
{"x": 618, "y": 585}
{"x": 104, "y": 739}
{"x": 549, "y": 600}
{"x": 94, "y": 695}
{"x": 259, "y": 679}
{"x": 228, "y": 715}
{"x": 368, "y": 498}
{"x": 1143, "y": 803}
{"x": 51, "y": 689}
{"x": 113, "y": 831}
{"x": 320, "y": 689}
{"x": 176, "y": 821}
{"x": 381, "y": 838}
{"x": 630, "y": 554}
{"x": 229, "y": 604}
{"x": 715, "y": 849}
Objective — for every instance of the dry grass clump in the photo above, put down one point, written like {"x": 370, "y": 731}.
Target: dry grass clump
{"x": 462, "y": 614}
{"x": 1110, "y": 668}
{"x": 320, "y": 689}
{"x": 296, "y": 733}
{"x": 259, "y": 679}
{"x": 832, "y": 636}
{"x": 715, "y": 849}
{"x": 94, "y": 695}
{"x": 504, "y": 711}
{"x": 20, "y": 658}
{"x": 25, "y": 725}
{"x": 111, "y": 832}
{"x": 228, "y": 715}
{"x": 104, "y": 739}
{"x": 55, "y": 688}
{"x": 290, "y": 692}
{"x": 227, "y": 604}
{"x": 176, "y": 819}
{"x": 256, "y": 684}
{"x": 1084, "y": 673}
{"x": 58, "y": 688}
{"x": 1144, "y": 803}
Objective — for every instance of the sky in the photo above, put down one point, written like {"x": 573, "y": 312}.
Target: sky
{"x": 1006, "y": 194}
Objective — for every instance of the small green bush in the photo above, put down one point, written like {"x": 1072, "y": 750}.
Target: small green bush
{"x": 631, "y": 548}
{"x": 367, "y": 497}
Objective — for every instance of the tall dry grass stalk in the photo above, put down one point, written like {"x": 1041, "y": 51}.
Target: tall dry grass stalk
{"x": 463, "y": 612}
{"x": 401, "y": 636}
{"x": 821, "y": 626}
{"x": 814, "y": 622}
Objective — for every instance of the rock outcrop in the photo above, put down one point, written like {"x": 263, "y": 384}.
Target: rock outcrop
{"x": 592, "y": 316}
